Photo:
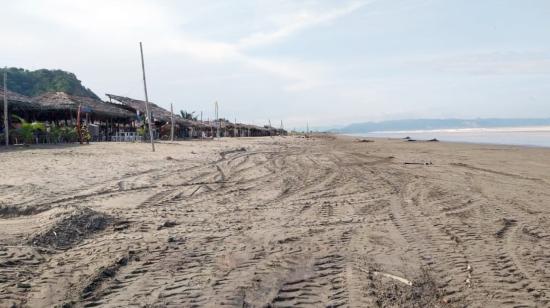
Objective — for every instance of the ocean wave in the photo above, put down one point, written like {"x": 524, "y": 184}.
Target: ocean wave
{"x": 471, "y": 130}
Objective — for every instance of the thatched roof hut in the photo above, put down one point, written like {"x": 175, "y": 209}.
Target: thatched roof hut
{"x": 60, "y": 101}
{"x": 162, "y": 115}
{"x": 159, "y": 113}
{"x": 17, "y": 102}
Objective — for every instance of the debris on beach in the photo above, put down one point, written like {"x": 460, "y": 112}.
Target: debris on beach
{"x": 427, "y": 163}
{"x": 390, "y": 290}
{"x": 365, "y": 140}
{"x": 167, "y": 224}
{"x": 71, "y": 230}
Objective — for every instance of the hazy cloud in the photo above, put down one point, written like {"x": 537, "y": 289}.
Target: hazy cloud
{"x": 320, "y": 61}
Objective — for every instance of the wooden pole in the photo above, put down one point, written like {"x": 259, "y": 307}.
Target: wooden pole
{"x": 6, "y": 123}
{"x": 149, "y": 126}
{"x": 172, "y": 120}
{"x": 78, "y": 128}
{"x": 218, "y": 120}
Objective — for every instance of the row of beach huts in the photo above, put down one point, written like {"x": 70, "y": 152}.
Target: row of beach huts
{"x": 118, "y": 119}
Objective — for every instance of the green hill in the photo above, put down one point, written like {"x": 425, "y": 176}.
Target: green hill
{"x": 32, "y": 83}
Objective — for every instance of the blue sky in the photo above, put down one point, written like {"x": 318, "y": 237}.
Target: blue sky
{"x": 324, "y": 62}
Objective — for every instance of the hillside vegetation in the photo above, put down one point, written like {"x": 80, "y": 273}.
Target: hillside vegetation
{"x": 32, "y": 83}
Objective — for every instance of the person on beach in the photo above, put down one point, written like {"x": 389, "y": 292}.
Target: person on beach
{"x": 86, "y": 134}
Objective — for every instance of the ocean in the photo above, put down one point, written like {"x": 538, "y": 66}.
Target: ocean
{"x": 538, "y": 136}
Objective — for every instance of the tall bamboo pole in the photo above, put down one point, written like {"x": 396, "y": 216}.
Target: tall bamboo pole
{"x": 149, "y": 126}
{"x": 218, "y": 120}
{"x": 78, "y": 127}
{"x": 6, "y": 127}
{"x": 172, "y": 121}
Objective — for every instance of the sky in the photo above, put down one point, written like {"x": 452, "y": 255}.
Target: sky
{"x": 326, "y": 63}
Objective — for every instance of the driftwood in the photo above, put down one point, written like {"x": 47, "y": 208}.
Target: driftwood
{"x": 388, "y": 275}
{"x": 416, "y": 163}
{"x": 397, "y": 278}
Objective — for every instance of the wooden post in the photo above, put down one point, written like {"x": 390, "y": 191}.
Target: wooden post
{"x": 6, "y": 122}
{"x": 149, "y": 126}
{"x": 78, "y": 128}
{"x": 172, "y": 120}
{"x": 218, "y": 120}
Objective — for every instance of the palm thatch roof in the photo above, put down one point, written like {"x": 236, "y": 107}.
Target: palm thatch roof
{"x": 163, "y": 115}
{"x": 63, "y": 101}
{"x": 158, "y": 112}
{"x": 17, "y": 101}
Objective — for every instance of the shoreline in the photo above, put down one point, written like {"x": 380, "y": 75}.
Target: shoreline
{"x": 369, "y": 135}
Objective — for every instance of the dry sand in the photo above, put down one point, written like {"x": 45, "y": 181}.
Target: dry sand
{"x": 270, "y": 222}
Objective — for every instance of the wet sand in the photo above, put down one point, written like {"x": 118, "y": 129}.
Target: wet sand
{"x": 275, "y": 222}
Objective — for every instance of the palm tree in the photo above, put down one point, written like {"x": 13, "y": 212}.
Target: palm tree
{"x": 188, "y": 116}
{"x": 27, "y": 129}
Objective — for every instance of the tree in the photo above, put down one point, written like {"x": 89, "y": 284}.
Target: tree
{"x": 32, "y": 83}
{"x": 188, "y": 116}
{"x": 27, "y": 129}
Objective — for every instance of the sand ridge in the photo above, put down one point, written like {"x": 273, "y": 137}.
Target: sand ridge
{"x": 275, "y": 222}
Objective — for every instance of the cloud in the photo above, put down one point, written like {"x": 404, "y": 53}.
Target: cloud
{"x": 203, "y": 50}
{"x": 490, "y": 63}
{"x": 300, "y": 74}
{"x": 98, "y": 17}
{"x": 295, "y": 23}
{"x": 379, "y": 57}
{"x": 122, "y": 23}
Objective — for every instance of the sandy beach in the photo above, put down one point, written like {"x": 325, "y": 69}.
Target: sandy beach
{"x": 275, "y": 222}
